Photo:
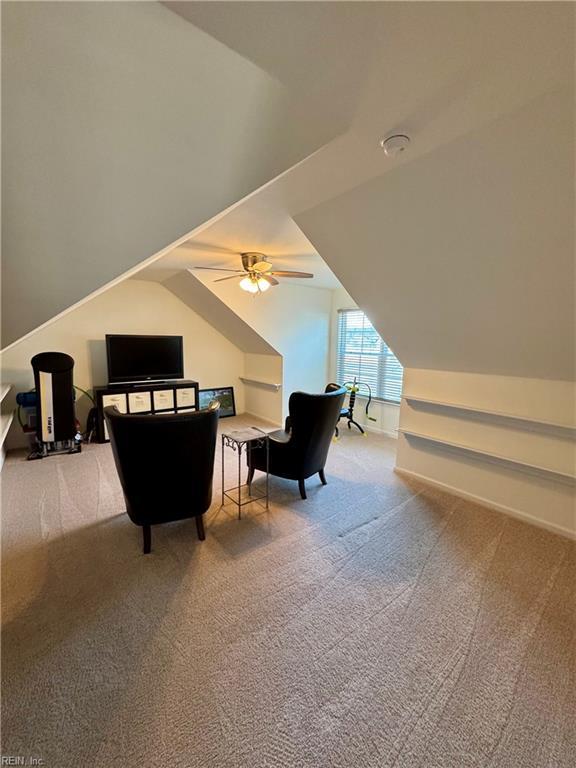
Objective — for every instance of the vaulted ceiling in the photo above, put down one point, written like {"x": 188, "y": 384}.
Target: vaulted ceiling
{"x": 461, "y": 249}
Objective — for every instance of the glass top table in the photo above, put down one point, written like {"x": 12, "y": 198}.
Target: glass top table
{"x": 243, "y": 441}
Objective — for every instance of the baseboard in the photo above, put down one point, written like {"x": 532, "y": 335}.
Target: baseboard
{"x": 571, "y": 534}
{"x": 393, "y": 433}
{"x": 248, "y": 415}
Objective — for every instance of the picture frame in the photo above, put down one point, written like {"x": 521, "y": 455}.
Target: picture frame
{"x": 226, "y": 397}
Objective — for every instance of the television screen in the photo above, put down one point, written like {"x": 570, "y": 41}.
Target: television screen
{"x": 144, "y": 358}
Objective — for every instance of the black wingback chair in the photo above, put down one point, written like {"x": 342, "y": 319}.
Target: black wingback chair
{"x": 300, "y": 449}
{"x": 165, "y": 463}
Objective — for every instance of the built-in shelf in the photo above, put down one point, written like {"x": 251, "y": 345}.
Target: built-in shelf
{"x": 4, "y": 389}
{"x": 5, "y": 422}
{"x": 525, "y": 420}
{"x": 516, "y": 463}
{"x": 261, "y": 383}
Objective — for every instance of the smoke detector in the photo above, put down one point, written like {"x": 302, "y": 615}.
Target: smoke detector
{"x": 395, "y": 144}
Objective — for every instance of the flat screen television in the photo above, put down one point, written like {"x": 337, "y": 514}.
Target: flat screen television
{"x": 144, "y": 358}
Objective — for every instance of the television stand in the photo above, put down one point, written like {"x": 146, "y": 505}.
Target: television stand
{"x": 147, "y": 384}
{"x": 176, "y": 396}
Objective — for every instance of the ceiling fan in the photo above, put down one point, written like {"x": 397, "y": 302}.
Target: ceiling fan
{"x": 257, "y": 274}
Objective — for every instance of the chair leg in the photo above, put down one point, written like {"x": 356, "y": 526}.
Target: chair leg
{"x": 356, "y": 425}
{"x": 200, "y": 527}
{"x": 323, "y": 477}
{"x": 302, "y": 487}
{"x": 147, "y": 533}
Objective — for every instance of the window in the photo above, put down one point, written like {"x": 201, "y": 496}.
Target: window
{"x": 363, "y": 355}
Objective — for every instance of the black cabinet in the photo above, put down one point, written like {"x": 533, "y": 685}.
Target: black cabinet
{"x": 159, "y": 397}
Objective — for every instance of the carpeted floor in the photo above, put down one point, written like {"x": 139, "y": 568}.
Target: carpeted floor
{"x": 375, "y": 624}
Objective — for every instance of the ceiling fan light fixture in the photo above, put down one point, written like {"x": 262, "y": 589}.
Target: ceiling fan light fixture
{"x": 257, "y": 274}
{"x": 249, "y": 284}
{"x": 263, "y": 284}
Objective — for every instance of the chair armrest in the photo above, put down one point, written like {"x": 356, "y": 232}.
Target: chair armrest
{"x": 288, "y": 424}
{"x": 280, "y": 436}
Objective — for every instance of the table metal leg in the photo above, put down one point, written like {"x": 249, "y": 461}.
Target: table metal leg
{"x": 267, "y": 471}
{"x": 239, "y": 482}
{"x": 238, "y": 446}
{"x": 249, "y": 462}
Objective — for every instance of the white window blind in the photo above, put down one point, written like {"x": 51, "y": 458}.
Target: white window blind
{"x": 363, "y": 355}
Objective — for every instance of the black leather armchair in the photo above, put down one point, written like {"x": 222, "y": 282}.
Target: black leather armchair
{"x": 165, "y": 463}
{"x": 301, "y": 448}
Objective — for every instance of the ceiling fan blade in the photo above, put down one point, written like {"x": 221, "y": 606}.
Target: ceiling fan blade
{"x": 230, "y": 277}
{"x": 269, "y": 279}
{"x": 220, "y": 269}
{"x": 283, "y": 273}
{"x": 261, "y": 266}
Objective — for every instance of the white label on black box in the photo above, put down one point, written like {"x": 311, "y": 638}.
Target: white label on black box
{"x": 139, "y": 402}
{"x": 186, "y": 397}
{"x": 118, "y": 400}
{"x": 46, "y": 407}
{"x": 163, "y": 399}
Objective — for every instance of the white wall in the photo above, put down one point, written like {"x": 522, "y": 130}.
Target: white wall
{"x": 294, "y": 320}
{"x": 202, "y": 300}
{"x": 382, "y": 417}
{"x": 124, "y": 128}
{"x": 260, "y": 399}
{"x": 534, "y": 496}
{"x": 464, "y": 261}
{"x": 464, "y": 258}
{"x": 133, "y": 306}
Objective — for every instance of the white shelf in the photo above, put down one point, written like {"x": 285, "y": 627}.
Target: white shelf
{"x": 497, "y": 414}
{"x": 260, "y": 383}
{"x": 4, "y": 389}
{"x": 522, "y": 465}
{"x": 5, "y": 422}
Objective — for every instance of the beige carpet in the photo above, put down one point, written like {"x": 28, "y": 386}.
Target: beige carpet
{"x": 376, "y": 624}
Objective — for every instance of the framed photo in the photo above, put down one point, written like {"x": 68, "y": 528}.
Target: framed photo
{"x": 226, "y": 397}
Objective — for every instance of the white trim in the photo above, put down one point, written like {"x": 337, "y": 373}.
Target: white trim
{"x": 511, "y": 512}
{"x": 6, "y": 420}
{"x": 4, "y": 389}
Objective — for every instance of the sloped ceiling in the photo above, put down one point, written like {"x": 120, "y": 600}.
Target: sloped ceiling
{"x": 124, "y": 127}
{"x": 204, "y": 302}
{"x": 464, "y": 258}
{"x": 300, "y": 44}
{"x": 462, "y": 249}
{"x": 251, "y": 227}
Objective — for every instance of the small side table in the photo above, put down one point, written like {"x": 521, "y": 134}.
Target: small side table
{"x": 239, "y": 440}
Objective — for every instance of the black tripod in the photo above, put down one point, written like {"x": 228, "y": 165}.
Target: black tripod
{"x": 348, "y": 413}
